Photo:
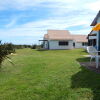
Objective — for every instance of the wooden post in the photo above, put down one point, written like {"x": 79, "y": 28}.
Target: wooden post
{"x": 99, "y": 42}
{"x": 97, "y": 58}
{"x": 48, "y": 45}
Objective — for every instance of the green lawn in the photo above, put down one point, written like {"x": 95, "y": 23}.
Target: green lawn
{"x": 48, "y": 75}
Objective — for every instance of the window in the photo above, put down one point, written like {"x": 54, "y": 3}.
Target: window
{"x": 84, "y": 44}
{"x": 63, "y": 43}
{"x": 74, "y": 44}
{"x": 90, "y": 42}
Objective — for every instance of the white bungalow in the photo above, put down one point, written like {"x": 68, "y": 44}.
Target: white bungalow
{"x": 63, "y": 39}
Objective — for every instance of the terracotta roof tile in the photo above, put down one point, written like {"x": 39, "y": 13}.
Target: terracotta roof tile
{"x": 58, "y": 35}
{"x": 80, "y": 38}
{"x": 45, "y": 36}
{"x": 64, "y": 35}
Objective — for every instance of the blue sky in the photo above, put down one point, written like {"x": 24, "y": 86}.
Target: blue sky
{"x": 26, "y": 21}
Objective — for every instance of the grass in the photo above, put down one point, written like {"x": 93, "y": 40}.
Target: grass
{"x": 48, "y": 75}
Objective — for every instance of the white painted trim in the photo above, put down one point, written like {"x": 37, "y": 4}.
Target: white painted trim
{"x": 92, "y": 37}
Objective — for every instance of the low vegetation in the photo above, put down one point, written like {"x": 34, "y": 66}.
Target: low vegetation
{"x": 5, "y": 50}
{"x": 48, "y": 75}
{"x": 34, "y": 46}
{"x": 22, "y": 46}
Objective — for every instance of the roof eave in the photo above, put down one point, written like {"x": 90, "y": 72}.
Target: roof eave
{"x": 95, "y": 19}
{"x": 93, "y": 23}
{"x": 61, "y": 39}
{"x": 81, "y": 41}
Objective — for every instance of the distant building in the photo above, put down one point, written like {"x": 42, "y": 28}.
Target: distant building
{"x": 63, "y": 39}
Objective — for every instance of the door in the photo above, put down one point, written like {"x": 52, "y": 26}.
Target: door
{"x": 74, "y": 44}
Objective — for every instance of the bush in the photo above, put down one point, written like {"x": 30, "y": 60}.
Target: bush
{"x": 10, "y": 48}
{"x": 22, "y": 46}
{"x": 34, "y": 46}
{"x": 5, "y": 49}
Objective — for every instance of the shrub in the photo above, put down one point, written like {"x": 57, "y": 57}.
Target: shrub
{"x": 5, "y": 49}
{"x": 22, "y": 46}
{"x": 10, "y": 48}
{"x": 34, "y": 46}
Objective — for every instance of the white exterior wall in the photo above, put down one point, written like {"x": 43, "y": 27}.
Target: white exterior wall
{"x": 92, "y": 37}
{"x": 78, "y": 45}
{"x": 54, "y": 44}
{"x": 94, "y": 32}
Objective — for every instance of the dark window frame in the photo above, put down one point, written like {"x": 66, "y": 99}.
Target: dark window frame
{"x": 84, "y": 43}
{"x": 63, "y": 43}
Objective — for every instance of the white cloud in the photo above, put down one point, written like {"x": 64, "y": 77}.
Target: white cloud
{"x": 95, "y": 6}
{"x": 18, "y": 4}
{"x": 63, "y": 14}
{"x": 11, "y": 24}
{"x": 26, "y": 4}
{"x": 81, "y": 32}
{"x": 38, "y": 28}
{"x": 60, "y": 4}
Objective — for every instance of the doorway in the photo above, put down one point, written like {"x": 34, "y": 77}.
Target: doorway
{"x": 74, "y": 44}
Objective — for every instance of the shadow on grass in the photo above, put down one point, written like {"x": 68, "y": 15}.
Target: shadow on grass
{"x": 87, "y": 79}
{"x": 85, "y": 59}
{"x": 84, "y": 50}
